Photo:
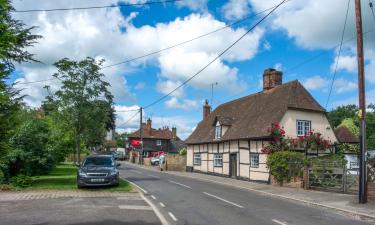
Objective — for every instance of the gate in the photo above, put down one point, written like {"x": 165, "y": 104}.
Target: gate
{"x": 333, "y": 176}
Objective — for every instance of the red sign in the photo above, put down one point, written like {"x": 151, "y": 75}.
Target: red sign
{"x": 136, "y": 143}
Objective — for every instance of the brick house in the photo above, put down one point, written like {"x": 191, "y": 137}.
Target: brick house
{"x": 156, "y": 140}
{"x": 228, "y": 141}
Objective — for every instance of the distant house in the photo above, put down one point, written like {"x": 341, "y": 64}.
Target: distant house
{"x": 228, "y": 141}
{"x": 344, "y": 135}
{"x": 156, "y": 140}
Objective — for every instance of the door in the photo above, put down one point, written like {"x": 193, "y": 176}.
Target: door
{"x": 233, "y": 165}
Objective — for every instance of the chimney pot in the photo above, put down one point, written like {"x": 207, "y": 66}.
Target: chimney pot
{"x": 272, "y": 78}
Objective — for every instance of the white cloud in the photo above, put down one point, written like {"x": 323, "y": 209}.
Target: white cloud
{"x": 196, "y": 5}
{"x": 278, "y": 66}
{"x": 370, "y": 98}
{"x": 267, "y": 46}
{"x": 341, "y": 85}
{"x": 168, "y": 86}
{"x": 235, "y": 9}
{"x": 185, "y": 104}
{"x": 125, "y": 119}
{"x": 140, "y": 86}
{"x": 348, "y": 63}
{"x": 184, "y": 124}
{"x": 315, "y": 82}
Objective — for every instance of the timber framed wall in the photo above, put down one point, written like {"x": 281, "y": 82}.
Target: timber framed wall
{"x": 244, "y": 151}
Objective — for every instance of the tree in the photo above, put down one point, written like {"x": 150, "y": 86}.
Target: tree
{"x": 14, "y": 40}
{"x": 84, "y": 99}
{"x": 337, "y": 115}
{"x": 121, "y": 139}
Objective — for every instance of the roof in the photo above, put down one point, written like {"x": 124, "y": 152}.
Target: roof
{"x": 344, "y": 135}
{"x": 251, "y": 115}
{"x": 164, "y": 133}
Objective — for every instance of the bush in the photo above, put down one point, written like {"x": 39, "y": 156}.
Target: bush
{"x": 22, "y": 181}
{"x": 285, "y": 165}
{"x": 183, "y": 151}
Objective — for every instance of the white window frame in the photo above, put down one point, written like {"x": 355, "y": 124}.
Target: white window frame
{"x": 303, "y": 127}
{"x": 197, "y": 160}
{"x": 158, "y": 142}
{"x": 218, "y": 160}
{"x": 254, "y": 160}
{"x": 218, "y": 131}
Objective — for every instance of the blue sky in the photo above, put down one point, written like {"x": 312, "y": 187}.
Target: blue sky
{"x": 295, "y": 33}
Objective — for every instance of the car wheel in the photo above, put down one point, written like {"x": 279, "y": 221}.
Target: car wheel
{"x": 156, "y": 164}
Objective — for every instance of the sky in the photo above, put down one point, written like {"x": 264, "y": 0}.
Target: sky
{"x": 301, "y": 38}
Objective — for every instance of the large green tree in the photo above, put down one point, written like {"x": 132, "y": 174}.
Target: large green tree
{"x": 337, "y": 115}
{"x": 15, "y": 38}
{"x": 84, "y": 100}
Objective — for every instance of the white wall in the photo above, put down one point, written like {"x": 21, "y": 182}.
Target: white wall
{"x": 319, "y": 123}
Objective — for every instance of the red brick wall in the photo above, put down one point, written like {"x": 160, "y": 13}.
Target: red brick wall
{"x": 371, "y": 192}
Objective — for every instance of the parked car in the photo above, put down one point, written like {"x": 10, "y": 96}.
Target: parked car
{"x": 98, "y": 170}
{"x": 155, "y": 160}
{"x": 119, "y": 155}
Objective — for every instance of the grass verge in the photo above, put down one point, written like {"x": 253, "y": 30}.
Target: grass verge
{"x": 64, "y": 177}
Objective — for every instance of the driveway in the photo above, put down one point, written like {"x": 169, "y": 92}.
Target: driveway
{"x": 128, "y": 209}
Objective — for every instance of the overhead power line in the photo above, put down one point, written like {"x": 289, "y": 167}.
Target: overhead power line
{"x": 132, "y": 117}
{"x": 119, "y": 5}
{"x": 338, "y": 54}
{"x": 216, "y": 58}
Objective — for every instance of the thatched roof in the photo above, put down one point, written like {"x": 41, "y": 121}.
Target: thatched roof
{"x": 344, "y": 135}
{"x": 248, "y": 117}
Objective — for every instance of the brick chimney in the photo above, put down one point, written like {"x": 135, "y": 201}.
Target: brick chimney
{"x": 174, "y": 133}
{"x": 148, "y": 124}
{"x": 206, "y": 109}
{"x": 272, "y": 78}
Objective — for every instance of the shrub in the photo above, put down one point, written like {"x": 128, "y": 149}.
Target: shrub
{"x": 6, "y": 187}
{"x": 285, "y": 165}
{"x": 183, "y": 151}
{"x": 22, "y": 181}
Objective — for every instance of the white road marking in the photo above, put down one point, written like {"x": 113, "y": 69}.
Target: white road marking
{"x": 172, "y": 216}
{"x": 183, "y": 185}
{"x": 129, "y": 198}
{"x": 217, "y": 197}
{"x": 135, "y": 207}
{"x": 144, "y": 191}
{"x": 162, "y": 204}
{"x": 153, "y": 176}
{"x": 279, "y": 222}
{"x": 153, "y": 197}
{"x": 156, "y": 210}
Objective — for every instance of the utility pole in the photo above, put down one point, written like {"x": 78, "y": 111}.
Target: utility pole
{"x": 362, "y": 106}
{"x": 140, "y": 135}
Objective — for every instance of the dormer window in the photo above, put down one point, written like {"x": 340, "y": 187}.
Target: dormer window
{"x": 217, "y": 131}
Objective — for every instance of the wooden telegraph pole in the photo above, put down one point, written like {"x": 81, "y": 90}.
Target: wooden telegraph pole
{"x": 140, "y": 136}
{"x": 362, "y": 106}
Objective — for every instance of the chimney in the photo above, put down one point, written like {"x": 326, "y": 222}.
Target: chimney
{"x": 206, "y": 109}
{"x": 148, "y": 125}
{"x": 272, "y": 78}
{"x": 174, "y": 133}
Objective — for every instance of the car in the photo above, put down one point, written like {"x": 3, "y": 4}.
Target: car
{"x": 155, "y": 160}
{"x": 98, "y": 170}
{"x": 119, "y": 155}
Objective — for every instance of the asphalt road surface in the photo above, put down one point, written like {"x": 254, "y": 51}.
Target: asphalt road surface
{"x": 190, "y": 201}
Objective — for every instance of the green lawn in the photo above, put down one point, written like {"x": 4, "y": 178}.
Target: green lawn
{"x": 64, "y": 178}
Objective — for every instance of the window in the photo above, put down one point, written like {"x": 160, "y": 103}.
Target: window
{"x": 218, "y": 131}
{"x": 303, "y": 127}
{"x": 197, "y": 159}
{"x": 218, "y": 160}
{"x": 158, "y": 142}
{"x": 254, "y": 160}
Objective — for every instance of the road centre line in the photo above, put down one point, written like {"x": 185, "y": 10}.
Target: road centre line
{"x": 153, "y": 197}
{"x": 224, "y": 200}
{"x": 279, "y": 222}
{"x": 162, "y": 204}
{"x": 183, "y": 185}
{"x": 172, "y": 216}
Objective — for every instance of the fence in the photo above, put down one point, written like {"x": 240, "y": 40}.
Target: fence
{"x": 333, "y": 176}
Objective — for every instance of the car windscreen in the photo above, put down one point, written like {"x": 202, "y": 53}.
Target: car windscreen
{"x": 99, "y": 161}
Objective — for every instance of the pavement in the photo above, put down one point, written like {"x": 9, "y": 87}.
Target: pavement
{"x": 76, "y": 208}
{"x": 191, "y": 198}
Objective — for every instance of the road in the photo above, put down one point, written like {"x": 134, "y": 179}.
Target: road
{"x": 190, "y": 201}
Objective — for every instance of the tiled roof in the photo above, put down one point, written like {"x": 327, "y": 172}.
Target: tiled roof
{"x": 164, "y": 133}
{"x": 248, "y": 117}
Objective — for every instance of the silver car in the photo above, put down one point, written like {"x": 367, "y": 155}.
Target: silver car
{"x": 98, "y": 170}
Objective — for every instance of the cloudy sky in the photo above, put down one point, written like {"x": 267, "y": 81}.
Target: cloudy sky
{"x": 301, "y": 38}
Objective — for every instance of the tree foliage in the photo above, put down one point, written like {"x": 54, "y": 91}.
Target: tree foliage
{"x": 84, "y": 100}
{"x": 337, "y": 115}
